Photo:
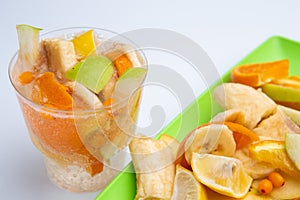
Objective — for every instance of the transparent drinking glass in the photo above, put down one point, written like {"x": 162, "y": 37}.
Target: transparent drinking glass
{"x": 83, "y": 149}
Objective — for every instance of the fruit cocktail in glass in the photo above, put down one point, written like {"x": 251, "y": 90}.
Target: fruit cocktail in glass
{"x": 79, "y": 91}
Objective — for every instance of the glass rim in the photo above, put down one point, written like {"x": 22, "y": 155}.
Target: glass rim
{"x": 79, "y": 111}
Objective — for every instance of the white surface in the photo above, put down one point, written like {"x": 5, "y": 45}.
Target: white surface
{"x": 227, "y": 30}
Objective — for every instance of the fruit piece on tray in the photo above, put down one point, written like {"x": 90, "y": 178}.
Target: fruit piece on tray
{"x": 222, "y": 174}
{"x": 215, "y": 138}
{"x": 257, "y": 74}
{"x": 238, "y": 96}
{"x": 154, "y": 167}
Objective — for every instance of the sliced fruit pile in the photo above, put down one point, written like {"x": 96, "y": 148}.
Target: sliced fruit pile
{"x": 248, "y": 151}
{"x": 274, "y": 80}
{"x": 70, "y": 74}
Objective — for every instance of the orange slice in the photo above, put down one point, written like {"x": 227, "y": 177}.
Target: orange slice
{"x": 47, "y": 91}
{"x": 274, "y": 152}
{"x": 242, "y": 135}
{"x": 257, "y": 74}
{"x": 122, "y": 63}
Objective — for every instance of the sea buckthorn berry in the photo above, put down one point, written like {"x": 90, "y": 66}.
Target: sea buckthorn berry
{"x": 265, "y": 186}
{"x": 276, "y": 179}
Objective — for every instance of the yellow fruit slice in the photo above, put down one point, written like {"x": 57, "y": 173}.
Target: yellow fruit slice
{"x": 215, "y": 139}
{"x": 186, "y": 186}
{"x": 274, "y": 152}
{"x": 224, "y": 175}
{"x": 84, "y": 44}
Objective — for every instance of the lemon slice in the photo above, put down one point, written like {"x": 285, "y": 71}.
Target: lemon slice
{"x": 224, "y": 175}
{"x": 84, "y": 44}
{"x": 274, "y": 152}
{"x": 186, "y": 186}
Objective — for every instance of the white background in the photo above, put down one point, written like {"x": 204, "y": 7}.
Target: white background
{"x": 226, "y": 30}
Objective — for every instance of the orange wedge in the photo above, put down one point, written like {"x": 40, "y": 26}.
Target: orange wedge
{"x": 122, "y": 63}
{"x": 242, "y": 135}
{"x": 257, "y": 74}
{"x": 47, "y": 91}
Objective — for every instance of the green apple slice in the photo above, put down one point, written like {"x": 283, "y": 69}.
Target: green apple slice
{"x": 28, "y": 37}
{"x": 129, "y": 82}
{"x": 94, "y": 72}
{"x": 292, "y": 145}
{"x": 281, "y": 93}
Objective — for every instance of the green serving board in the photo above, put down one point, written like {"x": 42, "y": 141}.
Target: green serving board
{"x": 123, "y": 187}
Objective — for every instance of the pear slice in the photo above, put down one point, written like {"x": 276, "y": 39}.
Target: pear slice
{"x": 94, "y": 72}
{"x": 28, "y": 37}
{"x": 292, "y": 145}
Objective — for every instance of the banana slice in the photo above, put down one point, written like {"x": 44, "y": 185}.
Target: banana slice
{"x": 60, "y": 55}
{"x": 276, "y": 126}
{"x": 108, "y": 89}
{"x": 253, "y": 167}
{"x": 155, "y": 170}
{"x": 83, "y": 97}
{"x": 172, "y": 143}
{"x": 231, "y": 115}
{"x": 215, "y": 138}
{"x": 254, "y": 103}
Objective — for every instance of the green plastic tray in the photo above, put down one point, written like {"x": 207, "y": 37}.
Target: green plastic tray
{"x": 123, "y": 187}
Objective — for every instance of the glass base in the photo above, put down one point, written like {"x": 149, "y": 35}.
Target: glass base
{"x": 76, "y": 179}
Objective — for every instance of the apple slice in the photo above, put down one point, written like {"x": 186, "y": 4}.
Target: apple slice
{"x": 129, "y": 82}
{"x": 94, "y": 72}
{"x": 281, "y": 93}
{"x": 28, "y": 37}
{"x": 292, "y": 145}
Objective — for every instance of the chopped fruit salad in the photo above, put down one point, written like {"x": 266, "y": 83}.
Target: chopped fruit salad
{"x": 67, "y": 87}
{"x": 249, "y": 151}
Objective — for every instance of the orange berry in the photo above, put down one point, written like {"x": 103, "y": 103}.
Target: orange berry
{"x": 276, "y": 179}
{"x": 265, "y": 186}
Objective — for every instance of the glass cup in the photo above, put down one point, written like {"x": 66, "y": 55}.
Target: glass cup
{"x": 83, "y": 149}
